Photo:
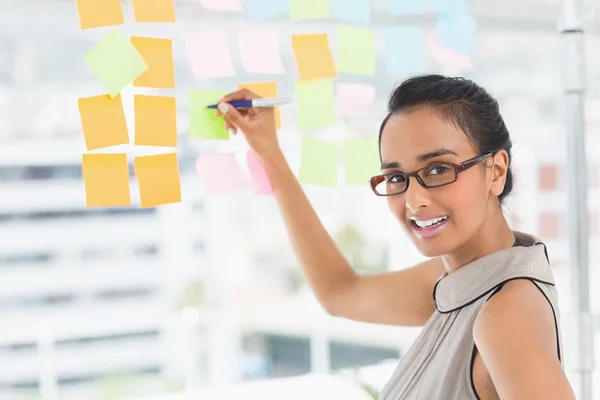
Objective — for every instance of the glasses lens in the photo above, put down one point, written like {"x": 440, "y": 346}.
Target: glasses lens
{"x": 438, "y": 174}
{"x": 389, "y": 184}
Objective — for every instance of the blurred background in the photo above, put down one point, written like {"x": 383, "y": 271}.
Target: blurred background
{"x": 204, "y": 298}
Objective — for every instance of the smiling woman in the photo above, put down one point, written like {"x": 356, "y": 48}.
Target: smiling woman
{"x": 486, "y": 298}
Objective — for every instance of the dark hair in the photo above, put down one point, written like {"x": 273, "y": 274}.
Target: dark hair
{"x": 461, "y": 102}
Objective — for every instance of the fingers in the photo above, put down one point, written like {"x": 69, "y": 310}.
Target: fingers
{"x": 242, "y": 94}
{"x": 232, "y": 116}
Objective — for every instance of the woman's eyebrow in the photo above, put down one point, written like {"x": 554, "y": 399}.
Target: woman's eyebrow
{"x": 387, "y": 165}
{"x": 421, "y": 158}
{"x": 435, "y": 153}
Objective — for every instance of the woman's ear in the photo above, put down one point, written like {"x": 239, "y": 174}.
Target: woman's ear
{"x": 499, "y": 171}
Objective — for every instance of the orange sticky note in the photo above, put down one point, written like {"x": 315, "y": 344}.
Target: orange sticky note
{"x": 158, "y": 54}
{"x": 313, "y": 57}
{"x": 265, "y": 89}
{"x": 154, "y": 10}
{"x": 155, "y": 120}
{"x": 97, "y": 13}
{"x": 158, "y": 179}
{"x": 103, "y": 121}
{"x": 106, "y": 178}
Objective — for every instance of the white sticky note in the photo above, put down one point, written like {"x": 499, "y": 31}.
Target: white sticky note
{"x": 259, "y": 51}
{"x": 223, "y": 5}
{"x": 353, "y": 99}
{"x": 209, "y": 54}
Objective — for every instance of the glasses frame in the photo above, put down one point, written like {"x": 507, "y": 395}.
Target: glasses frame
{"x": 458, "y": 168}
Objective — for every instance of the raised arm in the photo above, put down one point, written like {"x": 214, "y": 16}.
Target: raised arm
{"x": 397, "y": 298}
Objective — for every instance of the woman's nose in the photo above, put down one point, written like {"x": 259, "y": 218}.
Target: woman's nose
{"x": 416, "y": 196}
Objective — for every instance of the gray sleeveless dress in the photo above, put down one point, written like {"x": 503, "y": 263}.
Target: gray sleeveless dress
{"x": 438, "y": 365}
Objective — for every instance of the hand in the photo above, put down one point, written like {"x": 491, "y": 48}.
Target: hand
{"x": 257, "y": 124}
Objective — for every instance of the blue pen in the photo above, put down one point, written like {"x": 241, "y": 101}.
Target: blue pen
{"x": 257, "y": 103}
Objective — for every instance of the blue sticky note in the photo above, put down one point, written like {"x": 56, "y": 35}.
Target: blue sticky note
{"x": 451, "y": 5}
{"x": 407, "y": 7}
{"x": 457, "y": 31}
{"x": 358, "y": 11}
{"x": 265, "y": 9}
{"x": 404, "y": 49}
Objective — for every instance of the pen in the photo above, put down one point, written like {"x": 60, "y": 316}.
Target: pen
{"x": 257, "y": 103}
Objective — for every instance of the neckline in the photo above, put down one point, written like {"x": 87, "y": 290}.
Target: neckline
{"x": 526, "y": 259}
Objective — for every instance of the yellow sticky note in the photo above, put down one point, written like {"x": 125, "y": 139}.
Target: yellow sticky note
{"x": 265, "y": 89}
{"x": 155, "y": 120}
{"x": 103, "y": 121}
{"x": 106, "y": 178}
{"x": 154, "y": 10}
{"x": 97, "y": 13}
{"x": 158, "y": 54}
{"x": 158, "y": 179}
{"x": 313, "y": 56}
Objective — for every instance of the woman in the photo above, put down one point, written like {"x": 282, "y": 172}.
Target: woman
{"x": 486, "y": 297}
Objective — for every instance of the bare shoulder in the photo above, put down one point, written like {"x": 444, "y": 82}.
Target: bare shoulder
{"x": 515, "y": 334}
{"x": 518, "y": 307}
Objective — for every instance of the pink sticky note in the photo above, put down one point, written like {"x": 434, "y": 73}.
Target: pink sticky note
{"x": 259, "y": 51}
{"x": 222, "y": 5}
{"x": 261, "y": 184}
{"x": 353, "y": 98}
{"x": 445, "y": 56}
{"x": 209, "y": 54}
{"x": 221, "y": 173}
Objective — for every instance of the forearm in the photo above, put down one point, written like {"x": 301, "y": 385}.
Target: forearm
{"x": 324, "y": 266}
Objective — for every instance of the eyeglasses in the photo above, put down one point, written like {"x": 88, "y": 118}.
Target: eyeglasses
{"x": 432, "y": 176}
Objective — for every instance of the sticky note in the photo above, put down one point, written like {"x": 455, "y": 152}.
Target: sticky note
{"x": 356, "y": 50}
{"x": 265, "y": 89}
{"x": 158, "y": 179}
{"x": 221, "y": 173}
{"x": 313, "y": 57}
{"x": 115, "y": 62}
{"x": 358, "y": 11}
{"x": 97, "y": 13}
{"x": 259, "y": 51}
{"x": 209, "y": 55}
{"x": 316, "y": 104}
{"x": 203, "y": 122}
{"x": 154, "y": 10}
{"x": 447, "y": 57}
{"x": 106, "y": 179}
{"x": 222, "y": 5}
{"x": 158, "y": 54}
{"x": 404, "y": 50}
{"x": 261, "y": 184}
{"x": 456, "y": 31}
{"x": 309, "y": 9}
{"x": 361, "y": 160}
{"x": 318, "y": 162}
{"x": 407, "y": 7}
{"x": 265, "y": 9}
{"x": 103, "y": 121}
{"x": 155, "y": 120}
{"x": 353, "y": 99}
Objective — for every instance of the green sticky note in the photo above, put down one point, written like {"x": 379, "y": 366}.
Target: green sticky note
{"x": 318, "y": 162}
{"x": 116, "y": 62}
{"x": 355, "y": 50}
{"x": 204, "y": 124}
{"x": 316, "y": 104}
{"x": 361, "y": 160}
{"x": 309, "y": 9}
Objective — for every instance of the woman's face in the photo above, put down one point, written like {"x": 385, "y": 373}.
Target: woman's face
{"x": 412, "y": 140}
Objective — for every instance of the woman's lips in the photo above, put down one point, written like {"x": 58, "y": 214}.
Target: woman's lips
{"x": 430, "y": 231}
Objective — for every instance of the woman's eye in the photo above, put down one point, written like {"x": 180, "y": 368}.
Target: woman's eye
{"x": 396, "y": 179}
{"x": 438, "y": 170}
